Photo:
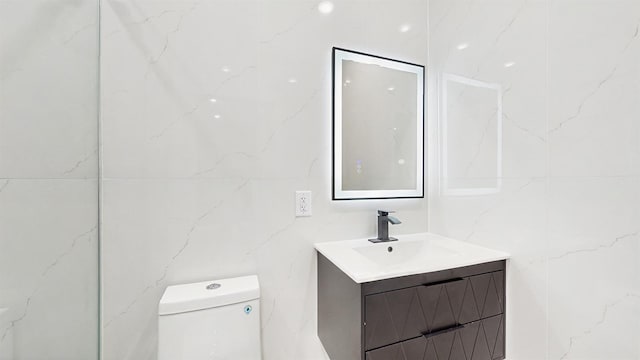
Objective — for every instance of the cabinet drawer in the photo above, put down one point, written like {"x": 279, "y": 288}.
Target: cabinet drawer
{"x": 403, "y": 314}
{"x": 478, "y": 340}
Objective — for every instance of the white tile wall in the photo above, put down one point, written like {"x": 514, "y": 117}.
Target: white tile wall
{"x": 48, "y": 98}
{"x": 189, "y": 196}
{"x": 49, "y": 179}
{"x": 569, "y": 209}
{"x": 195, "y": 189}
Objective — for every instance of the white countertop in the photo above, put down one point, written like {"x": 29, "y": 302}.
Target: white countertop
{"x": 364, "y": 261}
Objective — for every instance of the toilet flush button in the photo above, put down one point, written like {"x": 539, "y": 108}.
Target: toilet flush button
{"x": 213, "y": 286}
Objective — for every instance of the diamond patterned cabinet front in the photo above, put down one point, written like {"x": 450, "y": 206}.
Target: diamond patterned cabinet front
{"x": 478, "y": 340}
{"x": 453, "y": 314}
{"x": 403, "y": 314}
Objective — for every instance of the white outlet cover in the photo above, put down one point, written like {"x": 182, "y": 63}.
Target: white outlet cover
{"x": 303, "y": 203}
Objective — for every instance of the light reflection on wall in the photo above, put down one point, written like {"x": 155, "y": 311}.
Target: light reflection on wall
{"x": 471, "y": 123}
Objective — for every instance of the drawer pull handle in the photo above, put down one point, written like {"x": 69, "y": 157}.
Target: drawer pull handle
{"x": 444, "y": 282}
{"x": 443, "y": 331}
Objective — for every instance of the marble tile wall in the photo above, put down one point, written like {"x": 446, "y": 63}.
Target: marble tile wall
{"x": 196, "y": 189}
{"x": 568, "y": 208}
{"x": 49, "y": 179}
{"x": 594, "y": 186}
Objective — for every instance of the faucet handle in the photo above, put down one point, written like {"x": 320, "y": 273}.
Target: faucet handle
{"x": 385, "y": 212}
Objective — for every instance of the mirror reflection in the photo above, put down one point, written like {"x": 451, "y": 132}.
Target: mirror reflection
{"x": 472, "y": 136}
{"x": 378, "y": 127}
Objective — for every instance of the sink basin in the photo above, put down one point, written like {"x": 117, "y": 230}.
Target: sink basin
{"x": 402, "y": 252}
{"x": 364, "y": 261}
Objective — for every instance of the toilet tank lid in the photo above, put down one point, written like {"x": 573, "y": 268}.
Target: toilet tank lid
{"x": 208, "y": 294}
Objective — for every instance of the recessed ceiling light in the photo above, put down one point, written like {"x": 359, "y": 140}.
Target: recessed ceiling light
{"x": 404, "y": 28}
{"x": 213, "y": 100}
{"x": 509, "y": 64}
{"x": 216, "y": 116}
{"x": 325, "y": 7}
{"x": 347, "y": 81}
{"x": 226, "y": 69}
{"x": 462, "y": 46}
{"x": 293, "y": 80}
{"x": 391, "y": 88}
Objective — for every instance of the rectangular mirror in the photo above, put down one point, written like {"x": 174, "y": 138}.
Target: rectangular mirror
{"x": 378, "y": 127}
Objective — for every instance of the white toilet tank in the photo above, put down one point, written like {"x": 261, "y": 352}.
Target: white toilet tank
{"x": 211, "y": 320}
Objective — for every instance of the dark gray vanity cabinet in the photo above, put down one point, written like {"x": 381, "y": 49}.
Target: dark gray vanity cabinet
{"x": 454, "y": 314}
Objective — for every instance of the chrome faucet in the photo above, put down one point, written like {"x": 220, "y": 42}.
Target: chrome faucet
{"x": 383, "y": 226}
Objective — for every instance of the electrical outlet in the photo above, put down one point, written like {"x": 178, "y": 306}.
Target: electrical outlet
{"x": 303, "y": 203}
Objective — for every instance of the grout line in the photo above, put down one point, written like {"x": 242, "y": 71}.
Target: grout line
{"x": 100, "y": 349}
{"x": 548, "y": 179}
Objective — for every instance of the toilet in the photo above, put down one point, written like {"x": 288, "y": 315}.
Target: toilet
{"x": 211, "y": 320}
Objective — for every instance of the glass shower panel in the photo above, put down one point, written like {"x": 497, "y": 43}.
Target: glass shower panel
{"x": 49, "y": 267}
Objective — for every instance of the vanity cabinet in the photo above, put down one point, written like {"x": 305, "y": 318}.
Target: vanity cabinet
{"x": 455, "y": 314}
